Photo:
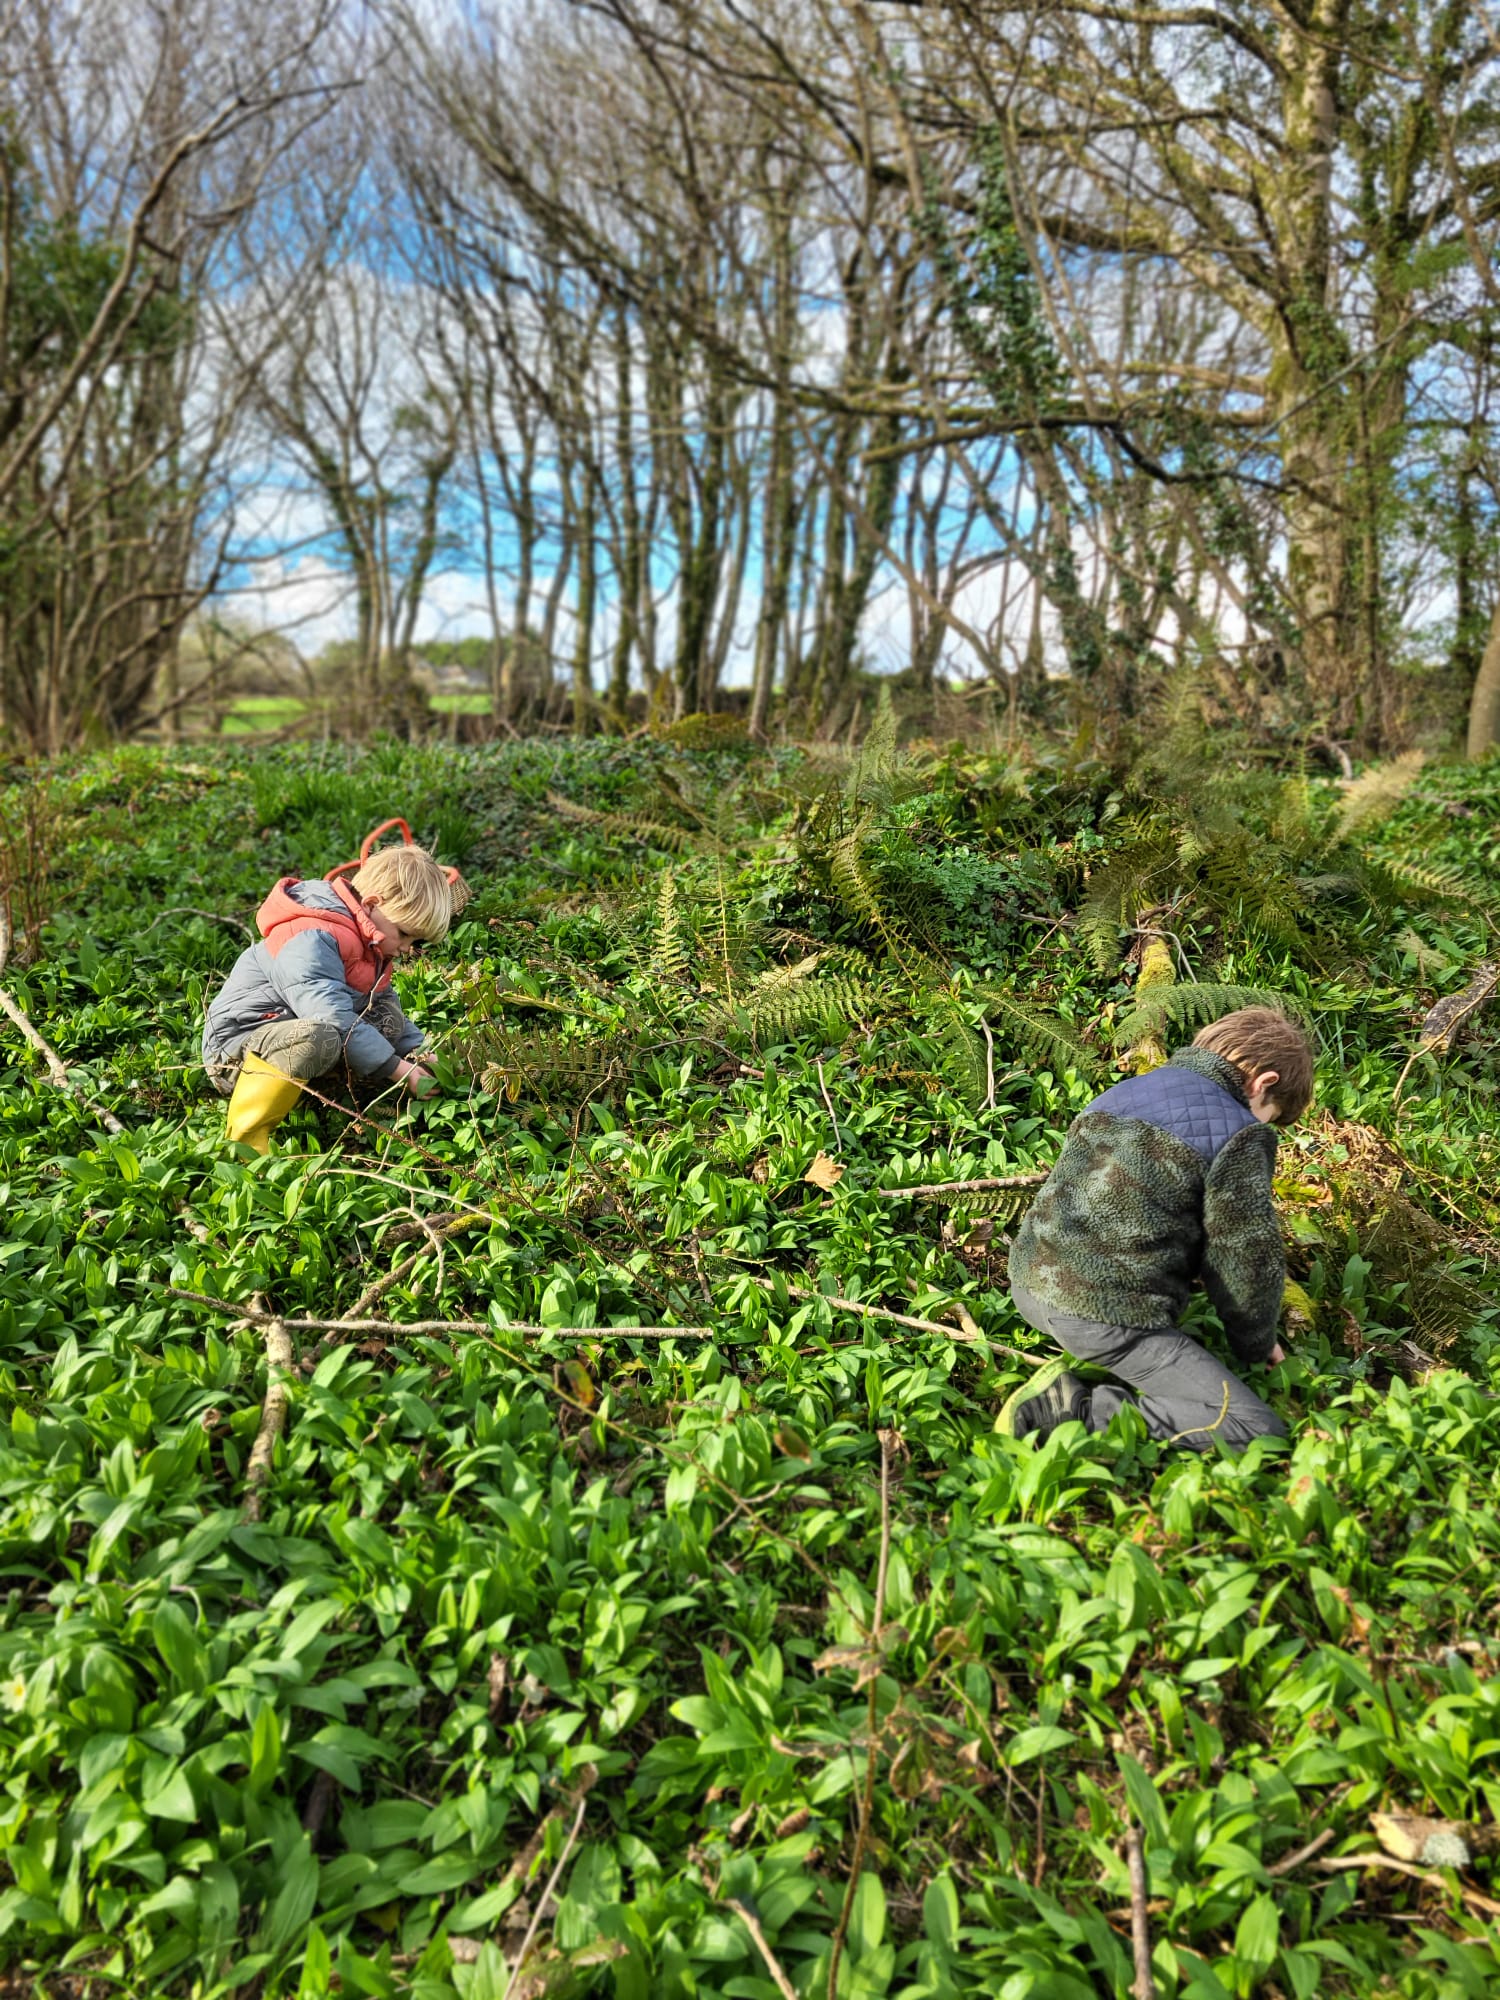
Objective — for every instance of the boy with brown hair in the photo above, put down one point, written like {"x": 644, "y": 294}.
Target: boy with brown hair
{"x": 1165, "y": 1181}
{"x": 313, "y": 999}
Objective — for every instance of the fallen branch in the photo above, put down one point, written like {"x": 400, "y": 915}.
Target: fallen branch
{"x": 57, "y": 1069}
{"x": 272, "y": 1415}
{"x": 1140, "y": 1922}
{"x": 440, "y": 1230}
{"x": 585, "y": 1784}
{"x": 968, "y": 1331}
{"x": 962, "y": 1187}
{"x": 889, "y": 1439}
{"x": 1339, "y": 1862}
{"x": 1441, "y": 1028}
{"x": 259, "y": 1317}
{"x": 751, "y": 1922}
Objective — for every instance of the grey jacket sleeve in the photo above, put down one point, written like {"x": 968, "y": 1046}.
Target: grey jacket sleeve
{"x": 1244, "y": 1262}
{"x": 310, "y": 975}
{"x": 408, "y": 1038}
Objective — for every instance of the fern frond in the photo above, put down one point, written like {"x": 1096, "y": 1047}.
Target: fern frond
{"x": 1000, "y": 1205}
{"x": 837, "y": 957}
{"x": 780, "y": 1011}
{"x": 1130, "y": 881}
{"x": 782, "y": 976}
{"x": 669, "y": 957}
{"x": 631, "y": 826}
{"x": 853, "y": 880}
{"x": 1404, "y": 880}
{"x": 549, "y": 1068}
{"x": 1038, "y": 1029}
{"x": 961, "y": 1055}
{"x": 1375, "y": 794}
{"x": 1189, "y": 1005}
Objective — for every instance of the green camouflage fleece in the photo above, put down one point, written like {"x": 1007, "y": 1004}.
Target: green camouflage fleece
{"x": 1133, "y": 1215}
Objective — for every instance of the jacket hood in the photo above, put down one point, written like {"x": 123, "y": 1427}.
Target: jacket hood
{"x": 330, "y": 903}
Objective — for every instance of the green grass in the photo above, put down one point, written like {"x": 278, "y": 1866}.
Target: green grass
{"x": 461, "y": 704}
{"x": 604, "y": 1607}
{"x": 258, "y": 714}
{"x": 254, "y": 714}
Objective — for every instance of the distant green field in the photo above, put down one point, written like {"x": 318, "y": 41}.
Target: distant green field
{"x": 256, "y": 712}
{"x": 461, "y": 704}
{"x": 253, "y": 714}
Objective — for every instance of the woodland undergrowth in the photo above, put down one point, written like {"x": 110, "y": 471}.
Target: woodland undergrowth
{"x": 526, "y": 1654}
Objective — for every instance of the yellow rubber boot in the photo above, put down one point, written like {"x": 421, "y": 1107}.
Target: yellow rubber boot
{"x": 262, "y": 1098}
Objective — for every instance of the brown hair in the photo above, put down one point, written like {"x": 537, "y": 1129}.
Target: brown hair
{"x": 1256, "y": 1039}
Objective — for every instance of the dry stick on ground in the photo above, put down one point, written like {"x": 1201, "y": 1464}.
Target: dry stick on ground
{"x": 1140, "y": 1924}
{"x": 1315, "y": 1846}
{"x": 586, "y": 1779}
{"x": 751, "y": 1922}
{"x": 1430, "y": 1876}
{"x": 828, "y": 1101}
{"x": 57, "y": 1069}
{"x": 968, "y": 1332}
{"x": 1466, "y": 1004}
{"x": 272, "y": 1414}
{"x": 888, "y": 1441}
{"x": 962, "y": 1187}
{"x": 441, "y": 1230}
{"x": 259, "y": 1317}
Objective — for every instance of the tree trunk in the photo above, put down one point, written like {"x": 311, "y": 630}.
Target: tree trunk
{"x": 583, "y": 638}
{"x": 1484, "y": 706}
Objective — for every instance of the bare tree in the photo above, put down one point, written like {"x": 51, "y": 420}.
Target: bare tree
{"x": 135, "y": 155}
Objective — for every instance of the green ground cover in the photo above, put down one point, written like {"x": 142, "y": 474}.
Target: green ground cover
{"x": 620, "y": 1654}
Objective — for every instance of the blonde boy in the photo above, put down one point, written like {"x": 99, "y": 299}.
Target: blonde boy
{"x": 313, "y": 999}
{"x": 1164, "y": 1182}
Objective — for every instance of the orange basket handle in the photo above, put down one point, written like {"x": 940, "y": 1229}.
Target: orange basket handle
{"x": 353, "y": 867}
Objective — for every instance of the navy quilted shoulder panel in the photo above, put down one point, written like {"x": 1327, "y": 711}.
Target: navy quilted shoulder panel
{"x": 1192, "y": 1107}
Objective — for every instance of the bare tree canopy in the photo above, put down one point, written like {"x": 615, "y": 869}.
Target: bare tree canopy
{"x": 1057, "y": 351}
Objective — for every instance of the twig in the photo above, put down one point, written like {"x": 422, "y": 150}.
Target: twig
{"x": 1290, "y": 1861}
{"x": 1140, "y": 1923}
{"x": 888, "y": 1440}
{"x": 962, "y": 1187}
{"x": 587, "y": 1778}
{"x": 960, "y": 1333}
{"x": 833, "y": 1121}
{"x": 401, "y": 1326}
{"x": 751, "y": 1922}
{"x": 1204, "y": 1430}
{"x": 57, "y": 1069}
{"x": 272, "y": 1415}
{"x": 382, "y": 1284}
{"x": 1430, "y": 1876}
{"x": 989, "y": 1066}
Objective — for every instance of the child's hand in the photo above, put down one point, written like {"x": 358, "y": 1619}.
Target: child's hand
{"x": 417, "y": 1080}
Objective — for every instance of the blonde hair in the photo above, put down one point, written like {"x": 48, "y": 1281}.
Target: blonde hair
{"x": 1257, "y": 1039}
{"x": 414, "y": 892}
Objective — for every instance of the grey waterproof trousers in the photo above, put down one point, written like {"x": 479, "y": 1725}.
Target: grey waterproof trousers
{"x": 311, "y": 1052}
{"x": 1185, "y": 1396}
